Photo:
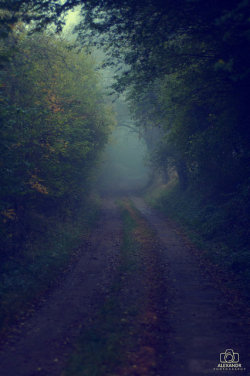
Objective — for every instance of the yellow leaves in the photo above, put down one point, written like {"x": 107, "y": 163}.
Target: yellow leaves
{"x": 60, "y": 147}
{"x": 56, "y": 108}
{"x": 9, "y": 214}
{"x": 35, "y": 184}
{"x": 16, "y": 146}
{"x": 54, "y": 104}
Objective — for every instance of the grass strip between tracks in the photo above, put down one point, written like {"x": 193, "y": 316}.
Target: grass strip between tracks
{"x": 127, "y": 335}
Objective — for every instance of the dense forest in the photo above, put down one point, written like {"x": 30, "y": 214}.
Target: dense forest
{"x": 182, "y": 66}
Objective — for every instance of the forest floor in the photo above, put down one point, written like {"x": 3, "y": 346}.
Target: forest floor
{"x": 140, "y": 300}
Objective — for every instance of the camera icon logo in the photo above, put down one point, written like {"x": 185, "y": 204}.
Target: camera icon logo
{"x": 229, "y": 356}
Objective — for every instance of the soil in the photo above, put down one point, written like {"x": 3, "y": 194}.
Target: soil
{"x": 200, "y": 326}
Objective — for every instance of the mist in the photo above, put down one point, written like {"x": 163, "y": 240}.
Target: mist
{"x": 123, "y": 168}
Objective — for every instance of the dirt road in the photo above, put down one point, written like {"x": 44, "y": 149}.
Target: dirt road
{"x": 200, "y": 328}
{"x": 200, "y": 325}
{"x": 44, "y": 341}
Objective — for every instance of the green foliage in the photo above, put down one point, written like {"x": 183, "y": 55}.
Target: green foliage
{"x": 54, "y": 125}
{"x": 198, "y": 110}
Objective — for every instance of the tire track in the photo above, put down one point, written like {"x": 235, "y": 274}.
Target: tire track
{"x": 200, "y": 326}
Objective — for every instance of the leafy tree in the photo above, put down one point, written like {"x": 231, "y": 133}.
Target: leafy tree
{"x": 54, "y": 125}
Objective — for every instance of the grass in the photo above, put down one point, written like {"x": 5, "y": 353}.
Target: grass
{"x": 218, "y": 225}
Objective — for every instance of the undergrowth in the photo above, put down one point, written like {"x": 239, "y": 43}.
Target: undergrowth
{"x": 217, "y": 224}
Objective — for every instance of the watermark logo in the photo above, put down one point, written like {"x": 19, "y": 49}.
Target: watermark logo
{"x": 229, "y": 361}
{"x": 229, "y": 356}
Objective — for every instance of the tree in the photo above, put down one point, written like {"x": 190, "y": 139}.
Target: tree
{"x": 54, "y": 124}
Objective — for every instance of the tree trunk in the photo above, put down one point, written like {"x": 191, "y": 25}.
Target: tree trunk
{"x": 182, "y": 174}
